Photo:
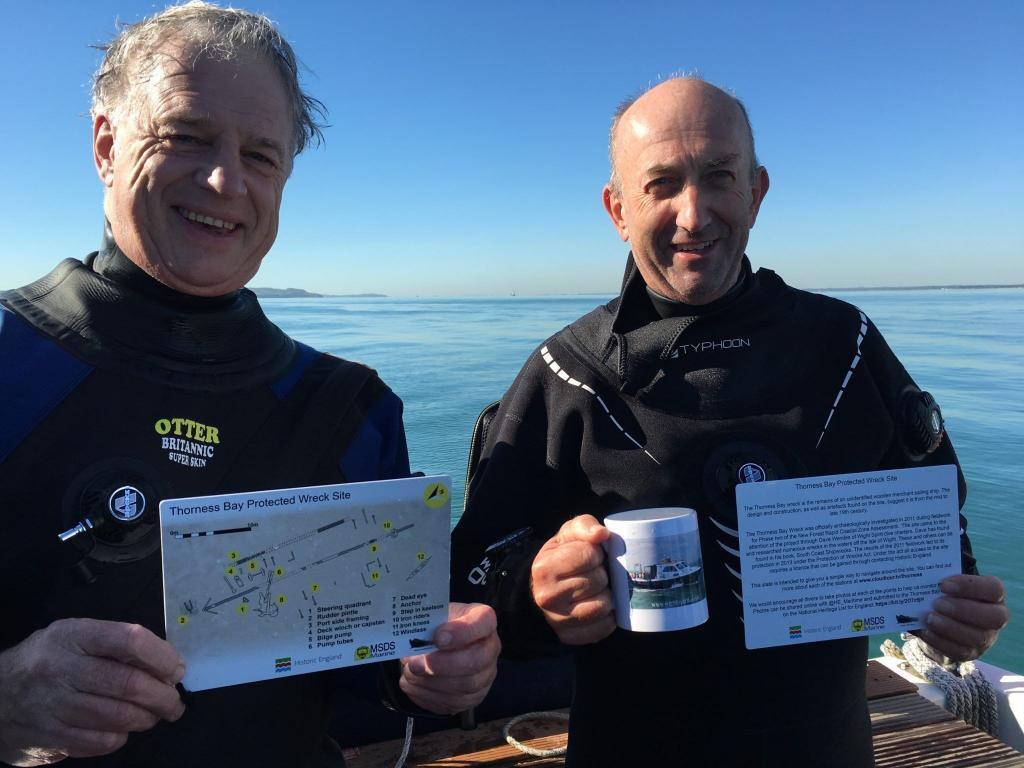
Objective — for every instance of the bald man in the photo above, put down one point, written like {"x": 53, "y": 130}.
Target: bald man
{"x": 698, "y": 368}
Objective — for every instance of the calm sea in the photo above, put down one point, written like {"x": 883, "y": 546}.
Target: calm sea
{"x": 448, "y": 358}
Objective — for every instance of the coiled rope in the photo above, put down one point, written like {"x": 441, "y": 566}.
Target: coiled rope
{"x": 407, "y": 744}
{"x": 968, "y": 694}
{"x": 554, "y": 752}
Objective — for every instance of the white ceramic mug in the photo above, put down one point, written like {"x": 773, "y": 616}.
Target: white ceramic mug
{"x": 656, "y": 570}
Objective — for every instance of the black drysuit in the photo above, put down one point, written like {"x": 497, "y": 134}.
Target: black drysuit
{"x": 624, "y": 409}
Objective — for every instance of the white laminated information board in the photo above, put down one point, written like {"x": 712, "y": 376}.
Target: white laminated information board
{"x": 277, "y": 583}
{"x": 845, "y": 555}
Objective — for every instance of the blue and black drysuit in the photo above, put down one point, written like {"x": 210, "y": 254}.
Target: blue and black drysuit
{"x": 109, "y": 379}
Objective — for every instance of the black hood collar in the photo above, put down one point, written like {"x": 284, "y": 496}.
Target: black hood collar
{"x": 631, "y": 339}
{"x": 112, "y": 263}
{"x": 635, "y": 306}
{"x": 109, "y": 312}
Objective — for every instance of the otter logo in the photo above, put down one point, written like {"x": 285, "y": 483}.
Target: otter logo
{"x": 751, "y": 473}
{"x": 126, "y": 503}
{"x": 187, "y": 442}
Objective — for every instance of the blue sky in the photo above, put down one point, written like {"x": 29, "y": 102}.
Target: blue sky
{"x": 468, "y": 141}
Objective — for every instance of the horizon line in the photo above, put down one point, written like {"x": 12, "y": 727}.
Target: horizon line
{"x": 376, "y": 295}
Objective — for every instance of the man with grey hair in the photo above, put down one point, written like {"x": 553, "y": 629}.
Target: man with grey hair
{"x": 148, "y": 372}
{"x": 700, "y": 375}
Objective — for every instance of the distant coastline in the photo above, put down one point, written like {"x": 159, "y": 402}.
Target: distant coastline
{"x": 299, "y": 293}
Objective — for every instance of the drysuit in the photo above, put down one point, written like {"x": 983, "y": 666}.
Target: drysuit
{"x": 636, "y": 406}
{"x": 118, "y": 391}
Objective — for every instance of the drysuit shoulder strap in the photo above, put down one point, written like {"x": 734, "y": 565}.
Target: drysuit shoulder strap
{"x": 303, "y": 441}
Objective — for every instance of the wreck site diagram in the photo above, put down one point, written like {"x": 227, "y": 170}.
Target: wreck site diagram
{"x": 274, "y": 583}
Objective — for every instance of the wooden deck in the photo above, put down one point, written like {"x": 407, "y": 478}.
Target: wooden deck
{"x": 909, "y": 732}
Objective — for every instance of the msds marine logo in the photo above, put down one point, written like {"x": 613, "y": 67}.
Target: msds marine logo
{"x": 870, "y": 624}
{"x": 364, "y": 652}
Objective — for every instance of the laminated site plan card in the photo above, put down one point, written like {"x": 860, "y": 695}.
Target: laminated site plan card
{"x": 277, "y": 583}
{"x": 845, "y": 555}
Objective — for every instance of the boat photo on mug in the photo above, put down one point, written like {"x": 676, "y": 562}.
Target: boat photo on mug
{"x": 656, "y": 571}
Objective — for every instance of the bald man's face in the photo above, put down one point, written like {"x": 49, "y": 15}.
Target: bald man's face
{"x": 686, "y": 201}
